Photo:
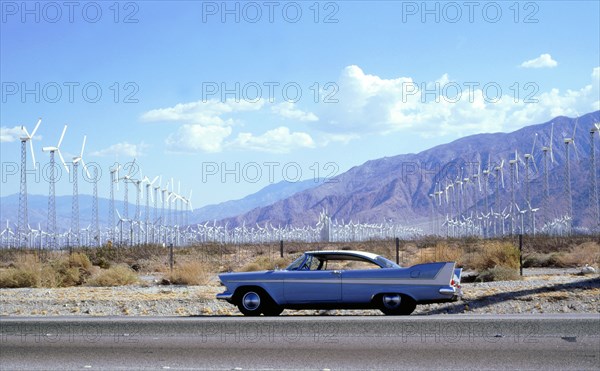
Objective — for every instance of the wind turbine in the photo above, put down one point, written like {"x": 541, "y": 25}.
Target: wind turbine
{"x": 155, "y": 211}
{"x": 532, "y": 211}
{"x": 529, "y": 156}
{"x": 114, "y": 178}
{"x": 75, "y": 200}
{"x": 499, "y": 174}
{"x": 594, "y": 194}
{"x": 486, "y": 174}
{"x": 477, "y": 191}
{"x": 148, "y": 196}
{"x": 51, "y": 227}
{"x": 23, "y": 217}
{"x": 569, "y": 196}
{"x": 514, "y": 169}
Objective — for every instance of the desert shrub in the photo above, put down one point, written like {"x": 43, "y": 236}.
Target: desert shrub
{"x": 12, "y": 278}
{"x": 580, "y": 255}
{"x": 493, "y": 254}
{"x": 27, "y": 271}
{"x": 499, "y": 274}
{"x": 116, "y": 275}
{"x": 189, "y": 273}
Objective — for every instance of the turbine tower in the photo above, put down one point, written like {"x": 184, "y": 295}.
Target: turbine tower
{"x": 499, "y": 174}
{"x": 75, "y": 201}
{"x": 547, "y": 149}
{"x": 51, "y": 223}
{"x": 593, "y": 169}
{"x": 95, "y": 221}
{"x": 568, "y": 193}
{"x": 114, "y": 178}
{"x": 529, "y": 156}
{"x": 514, "y": 170}
{"x": 486, "y": 174}
{"x": 23, "y": 223}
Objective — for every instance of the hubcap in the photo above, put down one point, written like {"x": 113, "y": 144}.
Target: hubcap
{"x": 251, "y": 300}
{"x": 391, "y": 300}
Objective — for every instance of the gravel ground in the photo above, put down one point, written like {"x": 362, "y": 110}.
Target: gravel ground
{"x": 540, "y": 291}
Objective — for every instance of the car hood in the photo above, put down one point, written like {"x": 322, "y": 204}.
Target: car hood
{"x": 234, "y": 276}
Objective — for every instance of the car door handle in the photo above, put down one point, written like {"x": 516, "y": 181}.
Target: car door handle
{"x": 337, "y": 273}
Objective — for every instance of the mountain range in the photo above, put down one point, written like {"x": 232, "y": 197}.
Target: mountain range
{"x": 398, "y": 187}
{"x": 38, "y": 206}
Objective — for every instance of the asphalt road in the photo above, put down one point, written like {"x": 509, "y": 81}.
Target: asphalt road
{"x": 311, "y": 342}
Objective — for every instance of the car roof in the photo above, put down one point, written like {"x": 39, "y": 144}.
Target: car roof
{"x": 351, "y": 253}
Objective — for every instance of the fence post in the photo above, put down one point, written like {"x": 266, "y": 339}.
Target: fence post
{"x": 281, "y": 248}
{"x": 521, "y": 254}
{"x": 171, "y": 257}
{"x": 397, "y": 250}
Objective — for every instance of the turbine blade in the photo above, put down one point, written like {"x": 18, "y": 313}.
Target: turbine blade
{"x": 63, "y": 160}
{"x": 85, "y": 168}
{"x": 32, "y": 154}
{"x": 83, "y": 145}
{"x": 35, "y": 128}
{"x": 61, "y": 137}
{"x": 24, "y": 130}
{"x": 575, "y": 149}
{"x": 533, "y": 146}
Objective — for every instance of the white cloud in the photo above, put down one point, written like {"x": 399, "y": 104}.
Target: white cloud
{"x": 10, "y": 134}
{"x": 122, "y": 149}
{"x": 288, "y": 110}
{"x": 194, "y": 138}
{"x": 278, "y": 140}
{"x": 543, "y": 61}
{"x": 369, "y": 104}
{"x": 201, "y": 112}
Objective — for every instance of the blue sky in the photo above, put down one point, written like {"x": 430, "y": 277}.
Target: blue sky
{"x": 360, "y": 68}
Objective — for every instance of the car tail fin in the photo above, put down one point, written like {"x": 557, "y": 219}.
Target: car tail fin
{"x": 455, "y": 281}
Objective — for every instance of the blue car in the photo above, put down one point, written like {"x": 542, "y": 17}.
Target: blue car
{"x": 342, "y": 280}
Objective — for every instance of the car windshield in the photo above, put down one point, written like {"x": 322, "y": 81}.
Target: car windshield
{"x": 296, "y": 263}
{"x": 385, "y": 263}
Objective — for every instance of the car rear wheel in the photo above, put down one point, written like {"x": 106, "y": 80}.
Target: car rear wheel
{"x": 396, "y": 304}
{"x": 251, "y": 302}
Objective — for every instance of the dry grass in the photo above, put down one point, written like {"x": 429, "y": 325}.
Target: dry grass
{"x": 265, "y": 263}
{"x": 117, "y": 275}
{"x": 576, "y": 256}
{"x": 585, "y": 253}
{"x": 62, "y": 271}
{"x": 189, "y": 273}
{"x": 492, "y": 254}
{"x": 441, "y": 252}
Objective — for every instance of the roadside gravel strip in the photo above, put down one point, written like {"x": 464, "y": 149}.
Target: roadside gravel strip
{"x": 555, "y": 293}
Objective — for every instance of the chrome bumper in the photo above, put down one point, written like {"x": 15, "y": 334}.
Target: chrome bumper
{"x": 449, "y": 290}
{"x": 225, "y": 296}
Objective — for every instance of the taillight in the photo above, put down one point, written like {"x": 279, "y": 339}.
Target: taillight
{"x": 452, "y": 282}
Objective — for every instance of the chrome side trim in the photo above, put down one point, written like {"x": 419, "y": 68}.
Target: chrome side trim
{"x": 225, "y": 296}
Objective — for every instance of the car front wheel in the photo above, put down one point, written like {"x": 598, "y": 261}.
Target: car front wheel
{"x": 396, "y": 304}
{"x": 251, "y": 303}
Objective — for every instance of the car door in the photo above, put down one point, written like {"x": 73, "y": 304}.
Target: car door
{"x": 308, "y": 286}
